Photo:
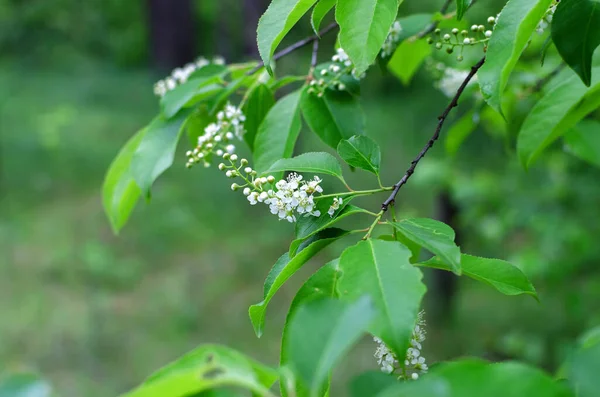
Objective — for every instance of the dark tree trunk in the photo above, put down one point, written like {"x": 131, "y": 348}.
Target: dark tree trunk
{"x": 172, "y": 33}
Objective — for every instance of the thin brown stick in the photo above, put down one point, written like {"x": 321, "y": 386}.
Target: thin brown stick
{"x": 436, "y": 135}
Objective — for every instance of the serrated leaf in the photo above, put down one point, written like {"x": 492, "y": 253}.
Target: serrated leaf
{"x": 381, "y": 269}
{"x": 260, "y": 100}
{"x": 407, "y": 59}
{"x": 461, "y": 7}
{"x": 364, "y": 26}
{"x": 502, "y": 275}
{"x": 278, "y": 132}
{"x": 576, "y": 35}
{"x": 361, "y": 152}
{"x": 120, "y": 193}
{"x": 320, "y": 333}
{"x": 276, "y": 22}
{"x": 23, "y": 385}
{"x": 314, "y": 162}
{"x": 156, "y": 151}
{"x": 284, "y": 268}
{"x": 561, "y": 108}
{"x": 187, "y": 94}
{"x": 319, "y": 12}
{"x": 434, "y": 236}
{"x": 206, "y": 368}
{"x": 459, "y": 131}
{"x": 335, "y": 116}
{"x": 584, "y": 141}
{"x": 514, "y": 27}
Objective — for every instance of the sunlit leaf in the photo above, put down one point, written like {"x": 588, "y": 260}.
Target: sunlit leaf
{"x": 407, "y": 59}
{"x": 319, "y": 12}
{"x": 361, "y": 152}
{"x": 260, "y": 101}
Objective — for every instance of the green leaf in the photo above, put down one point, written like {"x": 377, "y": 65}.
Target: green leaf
{"x": 206, "y": 368}
{"x": 582, "y": 369}
{"x": 361, "y": 152}
{"x": 187, "y": 94}
{"x": 381, "y": 269}
{"x": 554, "y": 114}
{"x": 23, "y": 385}
{"x": 415, "y": 249}
{"x": 315, "y": 162}
{"x": 407, "y": 59}
{"x": 584, "y": 141}
{"x": 278, "y": 132}
{"x": 120, "y": 193}
{"x": 260, "y": 100}
{"x": 502, "y": 275}
{"x": 413, "y": 24}
{"x": 284, "y": 268}
{"x": 461, "y": 7}
{"x": 276, "y": 22}
{"x": 514, "y": 27}
{"x": 320, "y": 333}
{"x": 434, "y": 236}
{"x": 371, "y": 383}
{"x": 429, "y": 386}
{"x": 156, "y": 151}
{"x": 335, "y": 116}
{"x": 576, "y": 35}
{"x": 459, "y": 131}
{"x": 364, "y": 26}
{"x": 321, "y": 9}
{"x": 232, "y": 88}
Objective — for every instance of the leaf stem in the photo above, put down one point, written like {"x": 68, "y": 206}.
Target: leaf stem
{"x": 375, "y": 223}
{"x": 356, "y": 193}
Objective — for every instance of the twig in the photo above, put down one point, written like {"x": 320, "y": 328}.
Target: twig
{"x": 436, "y": 135}
{"x": 434, "y": 25}
{"x": 293, "y": 47}
{"x": 313, "y": 61}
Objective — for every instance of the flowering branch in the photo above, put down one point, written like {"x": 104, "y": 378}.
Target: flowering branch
{"x": 299, "y": 44}
{"x": 436, "y": 135}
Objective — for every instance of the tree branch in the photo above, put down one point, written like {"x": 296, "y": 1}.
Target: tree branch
{"x": 436, "y": 135}
{"x": 434, "y": 25}
{"x": 315, "y": 52}
{"x": 293, "y": 47}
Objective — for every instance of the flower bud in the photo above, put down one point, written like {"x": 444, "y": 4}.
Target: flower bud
{"x": 488, "y": 33}
{"x": 491, "y": 20}
{"x": 222, "y": 167}
{"x": 219, "y": 152}
{"x": 464, "y": 32}
{"x": 438, "y": 46}
{"x": 226, "y": 156}
{"x": 243, "y": 161}
{"x": 233, "y": 157}
{"x": 437, "y": 31}
{"x": 270, "y": 179}
{"x": 235, "y": 187}
{"x": 247, "y": 191}
{"x": 455, "y": 31}
{"x": 459, "y": 58}
{"x": 474, "y": 28}
{"x": 247, "y": 170}
{"x": 446, "y": 37}
{"x": 467, "y": 41}
{"x": 429, "y": 40}
{"x": 229, "y": 174}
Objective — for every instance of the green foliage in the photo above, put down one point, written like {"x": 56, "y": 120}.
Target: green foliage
{"x": 361, "y": 152}
{"x": 575, "y": 34}
{"x": 23, "y": 385}
{"x": 584, "y": 141}
{"x": 459, "y": 131}
{"x": 407, "y": 59}
{"x": 461, "y": 7}
{"x": 316, "y": 163}
{"x": 321, "y": 9}
{"x": 260, "y": 100}
{"x": 581, "y": 367}
{"x": 187, "y": 94}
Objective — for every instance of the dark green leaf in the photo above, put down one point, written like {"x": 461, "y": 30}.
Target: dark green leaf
{"x": 320, "y": 333}
{"x": 434, "y": 236}
{"x": 364, "y": 26}
{"x": 381, "y": 269}
{"x": 260, "y": 101}
{"x": 584, "y": 141}
{"x": 514, "y": 27}
{"x": 407, "y": 59}
{"x": 371, "y": 384}
{"x": 361, "y": 152}
{"x": 321, "y": 9}
{"x": 335, "y": 116}
{"x": 461, "y": 7}
{"x": 502, "y": 275}
{"x": 576, "y": 34}
{"x": 187, "y": 94}
{"x": 23, "y": 385}
{"x": 120, "y": 193}
{"x": 459, "y": 131}
{"x": 278, "y": 132}
{"x": 285, "y": 267}
{"x": 156, "y": 151}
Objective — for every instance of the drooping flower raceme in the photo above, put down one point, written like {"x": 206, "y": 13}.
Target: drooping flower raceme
{"x": 391, "y": 42}
{"x": 218, "y": 136}
{"x": 181, "y": 75}
{"x": 451, "y": 81}
{"x": 333, "y": 76}
{"x": 547, "y": 19}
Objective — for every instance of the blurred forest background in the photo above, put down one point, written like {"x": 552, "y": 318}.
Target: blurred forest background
{"x": 95, "y": 313}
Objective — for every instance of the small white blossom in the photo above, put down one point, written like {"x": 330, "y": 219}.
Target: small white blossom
{"x": 547, "y": 19}
{"x": 391, "y": 42}
{"x": 337, "y": 202}
{"x": 182, "y": 74}
{"x": 452, "y": 80}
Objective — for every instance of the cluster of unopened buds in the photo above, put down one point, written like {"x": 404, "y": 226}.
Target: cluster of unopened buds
{"x": 391, "y": 42}
{"x": 479, "y": 34}
{"x": 181, "y": 75}
{"x": 218, "y": 136}
{"x": 331, "y": 75}
{"x": 414, "y": 363}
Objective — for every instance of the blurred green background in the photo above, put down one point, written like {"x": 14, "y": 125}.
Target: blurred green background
{"x": 95, "y": 313}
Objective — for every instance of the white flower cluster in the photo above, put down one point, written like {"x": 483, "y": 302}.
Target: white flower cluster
{"x": 391, "y": 42}
{"x": 218, "y": 136}
{"x": 337, "y": 202}
{"x": 414, "y": 363}
{"x": 331, "y": 77}
{"x": 181, "y": 75}
{"x": 452, "y": 80}
{"x": 547, "y": 19}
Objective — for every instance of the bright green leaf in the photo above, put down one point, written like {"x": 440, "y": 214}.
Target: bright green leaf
{"x": 514, "y": 28}
{"x": 335, "y": 116}
{"x": 364, "y": 26}
{"x": 320, "y": 333}
{"x": 576, "y": 34}
{"x": 461, "y": 7}
{"x": 206, "y": 368}
{"x": 315, "y": 162}
{"x": 278, "y": 132}
{"x": 285, "y": 267}
{"x": 260, "y": 101}
{"x": 584, "y": 141}
{"x": 187, "y": 94}
{"x": 381, "y": 269}
{"x": 459, "y": 131}
{"x": 23, "y": 385}
{"x": 321, "y": 9}
{"x": 276, "y": 22}
{"x": 502, "y": 275}
{"x": 156, "y": 151}
{"x": 555, "y": 113}
{"x": 407, "y": 59}
{"x": 434, "y": 236}
{"x": 120, "y": 193}
{"x": 415, "y": 249}
{"x": 361, "y": 152}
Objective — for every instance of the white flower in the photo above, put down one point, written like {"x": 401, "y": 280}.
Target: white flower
{"x": 452, "y": 80}
{"x": 337, "y": 202}
{"x": 391, "y": 42}
{"x": 182, "y": 74}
